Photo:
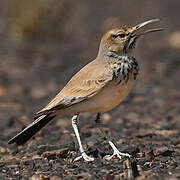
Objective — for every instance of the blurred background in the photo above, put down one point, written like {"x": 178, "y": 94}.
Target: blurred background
{"x": 44, "y": 42}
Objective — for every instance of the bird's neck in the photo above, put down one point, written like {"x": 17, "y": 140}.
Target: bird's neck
{"x": 124, "y": 63}
{"x": 109, "y": 56}
{"x": 116, "y": 55}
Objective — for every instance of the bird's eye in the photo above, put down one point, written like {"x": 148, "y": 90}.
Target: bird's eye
{"x": 114, "y": 35}
{"x": 121, "y": 35}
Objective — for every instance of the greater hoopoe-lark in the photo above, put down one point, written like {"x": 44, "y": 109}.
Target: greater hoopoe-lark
{"x": 98, "y": 87}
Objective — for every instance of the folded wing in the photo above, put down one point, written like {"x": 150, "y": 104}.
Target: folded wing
{"x": 83, "y": 85}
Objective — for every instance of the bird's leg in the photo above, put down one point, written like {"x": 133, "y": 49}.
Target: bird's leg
{"x": 81, "y": 149}
{"x": 116, "y": 151}
{"x": 100, "y": 126}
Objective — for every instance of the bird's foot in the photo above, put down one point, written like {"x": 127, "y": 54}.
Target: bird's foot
{"x": 85, "y": 157}
{"x": 119, "y": 155}
{"x": 116, "y": 152}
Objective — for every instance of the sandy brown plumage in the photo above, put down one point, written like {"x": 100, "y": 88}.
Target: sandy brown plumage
{"x": 98, "y": 87}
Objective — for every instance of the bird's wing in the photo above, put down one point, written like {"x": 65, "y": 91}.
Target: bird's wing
{"x": 83, "y": 85}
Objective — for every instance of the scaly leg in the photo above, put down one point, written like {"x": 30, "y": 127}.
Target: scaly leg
{"x": 81, "y": 149}
{"x": 116, "y": 151}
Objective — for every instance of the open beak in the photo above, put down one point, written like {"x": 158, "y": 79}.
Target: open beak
{"x": 139, "y": 26}
{"x": 134, "y": 35}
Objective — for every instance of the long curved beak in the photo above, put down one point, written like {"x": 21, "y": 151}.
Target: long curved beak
{"x": 145, "y": 23}
{"x": 134, "y": 35}
{"x": 139, "y": 26}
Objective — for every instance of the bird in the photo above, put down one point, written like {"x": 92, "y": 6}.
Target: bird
{"x": 98, "y": 87}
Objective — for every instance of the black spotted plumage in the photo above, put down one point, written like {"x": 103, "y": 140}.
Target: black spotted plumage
{"x": 124, "y": 68}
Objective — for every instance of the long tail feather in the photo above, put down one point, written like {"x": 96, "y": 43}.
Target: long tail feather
{"x": 31, "y": 130}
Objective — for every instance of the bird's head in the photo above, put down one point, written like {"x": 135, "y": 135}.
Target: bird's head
{"x": 122, "y": 40}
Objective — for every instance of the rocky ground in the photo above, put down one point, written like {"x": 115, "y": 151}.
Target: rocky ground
{"x": 146, "y": 125}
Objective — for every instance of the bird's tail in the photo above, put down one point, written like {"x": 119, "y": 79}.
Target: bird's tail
{"x": 31, "y": 130}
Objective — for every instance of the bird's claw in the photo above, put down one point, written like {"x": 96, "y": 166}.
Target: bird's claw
{"x": 85, "y": 157}
{"x": 119, "y": 155}
{"x": 116, "y": 152}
